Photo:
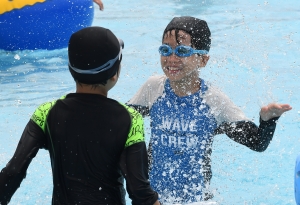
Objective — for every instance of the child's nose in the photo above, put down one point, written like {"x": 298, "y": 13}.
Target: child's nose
{"x": 173, "y": 56}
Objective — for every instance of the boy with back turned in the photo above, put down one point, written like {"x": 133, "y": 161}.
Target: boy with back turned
{"x": 92, "y": 140}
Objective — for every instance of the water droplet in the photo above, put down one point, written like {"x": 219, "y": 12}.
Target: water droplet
{"x": 17, "y": 57}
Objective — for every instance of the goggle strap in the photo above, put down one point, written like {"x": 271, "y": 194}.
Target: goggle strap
{"x": 202, "y": 52}
{"x": 102, "y": 68}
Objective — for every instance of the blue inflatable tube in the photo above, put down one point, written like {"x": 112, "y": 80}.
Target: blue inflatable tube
{"x": 297, "y": 180}
{"x": 47, "y": 24}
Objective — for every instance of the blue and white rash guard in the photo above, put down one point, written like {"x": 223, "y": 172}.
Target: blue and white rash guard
{"x": 182, "y": 131}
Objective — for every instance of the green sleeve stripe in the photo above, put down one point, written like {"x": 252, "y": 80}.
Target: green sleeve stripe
{"x": 136, "y": 133}
{"x": 40, "y": 114}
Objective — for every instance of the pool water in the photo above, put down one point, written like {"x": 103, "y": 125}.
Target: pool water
{"x": 254, "y": 59}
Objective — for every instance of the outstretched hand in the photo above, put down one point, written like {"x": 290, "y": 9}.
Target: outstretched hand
{"x": 100, "y": 4}
{"x": 273, "y": 110}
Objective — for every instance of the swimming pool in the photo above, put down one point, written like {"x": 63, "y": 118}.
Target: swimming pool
{"x": 254, "y": 59}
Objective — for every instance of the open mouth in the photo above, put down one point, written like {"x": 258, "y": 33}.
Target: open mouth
{"x": 172, "y": 70}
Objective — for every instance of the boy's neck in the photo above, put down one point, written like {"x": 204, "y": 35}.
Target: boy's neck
{"x": 186, "y": 86}
{"x": 88, "y": 89}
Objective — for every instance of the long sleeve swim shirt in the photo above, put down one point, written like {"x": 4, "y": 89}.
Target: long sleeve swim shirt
{"x": 182, "y": 133}
{"x": 93, "y": 141}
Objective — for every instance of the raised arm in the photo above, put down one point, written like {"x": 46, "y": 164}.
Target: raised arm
{"x": 273, "y": 110}
{"x": 100, "y": 4}
{"x": 13, "y": 174}
{"x": 248, "y": 134}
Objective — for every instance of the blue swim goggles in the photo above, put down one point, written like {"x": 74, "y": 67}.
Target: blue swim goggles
{"x": 181, "y": 51}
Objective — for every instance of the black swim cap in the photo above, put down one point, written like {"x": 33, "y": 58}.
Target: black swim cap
{"x": 95, "y": 54}
{"x": 197, "y": 28}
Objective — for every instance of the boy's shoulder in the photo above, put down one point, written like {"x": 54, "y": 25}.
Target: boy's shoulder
{"x": 154, "y": 84}
{"x": 149, "y": 92}
{"x": 40, "y": 114}
{"x": 156, "y": 79}
{"x": 211, "y": 88}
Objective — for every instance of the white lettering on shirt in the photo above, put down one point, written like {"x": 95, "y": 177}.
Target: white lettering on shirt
{"x": 178, "y": 125}
{"x": 173, "y": 141}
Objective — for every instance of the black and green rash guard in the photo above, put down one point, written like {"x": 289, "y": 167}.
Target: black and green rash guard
{"x": 93, "y": 141}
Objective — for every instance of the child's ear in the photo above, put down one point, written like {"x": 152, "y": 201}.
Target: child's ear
{"x": 204, "y": 60}
{"x": 114, "y": 78}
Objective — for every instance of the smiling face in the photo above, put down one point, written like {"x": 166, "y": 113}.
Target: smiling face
{"x": 181, "y": 68}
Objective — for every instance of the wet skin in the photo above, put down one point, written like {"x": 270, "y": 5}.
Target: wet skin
{"x": 182, "y": 71}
